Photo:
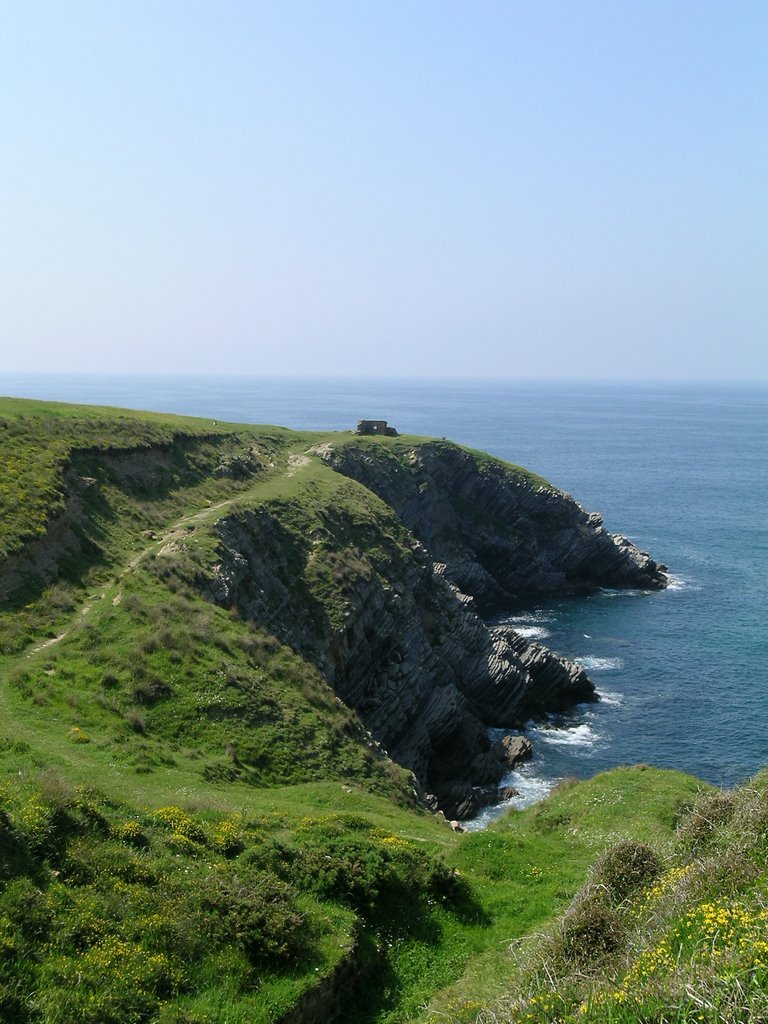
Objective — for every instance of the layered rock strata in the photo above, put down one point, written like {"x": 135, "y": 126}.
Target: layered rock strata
{"x": 388, "y": 606}
{"x": 502, "y": 533}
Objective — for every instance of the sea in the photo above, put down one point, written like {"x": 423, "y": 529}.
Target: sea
{"x": 681, "y": 469}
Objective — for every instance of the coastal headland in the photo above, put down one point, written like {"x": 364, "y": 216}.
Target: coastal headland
{"x": 248, "y": 673}
{"x": 377, "y": 561}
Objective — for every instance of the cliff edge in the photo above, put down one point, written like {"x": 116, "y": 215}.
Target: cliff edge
{"x": 381, "y": 561}
{"x": 384, "y": 575}
{"x": 502, "y": 532}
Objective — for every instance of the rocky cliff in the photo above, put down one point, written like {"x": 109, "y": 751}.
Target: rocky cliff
{"x": 382, "y": 581}
{"x": 502, "y": 532}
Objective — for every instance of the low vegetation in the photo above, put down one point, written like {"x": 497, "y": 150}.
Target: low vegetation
{"x": 195, "y": 830}
{"x": 180, "y": 912}
{"x": 675, "y": 935}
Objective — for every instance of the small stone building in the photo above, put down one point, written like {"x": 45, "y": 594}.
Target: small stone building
{"x": 370, "y": 428}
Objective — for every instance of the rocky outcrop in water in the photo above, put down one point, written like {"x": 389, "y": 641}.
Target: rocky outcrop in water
{"x": 501, "y": 532}
{"x": 384, "y": 596}
{"x": 515, "y": 749}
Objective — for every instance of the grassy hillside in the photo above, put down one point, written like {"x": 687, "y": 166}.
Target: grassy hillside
{"x": 182, "y": 912}
{"x": 196, "y": 829}
{"x": 662, "y": 932}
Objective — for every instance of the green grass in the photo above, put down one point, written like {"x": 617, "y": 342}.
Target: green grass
{"x": 528, "y": 867}
{"x": 150, "y": 910}
{"x": 37, "y": 438}
{"x": 162, "y": 680}
{"x": 191, "y": 822}
{"x": 420, "y": 909}
{"x": 687, "y": 943}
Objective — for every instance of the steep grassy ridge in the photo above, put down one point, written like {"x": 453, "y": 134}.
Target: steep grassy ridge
{"x": 83, "y": 488}
{"x": 39, "y": 439}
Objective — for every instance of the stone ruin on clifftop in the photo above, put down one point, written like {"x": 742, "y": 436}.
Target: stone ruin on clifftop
{"x": 369, "y": 428}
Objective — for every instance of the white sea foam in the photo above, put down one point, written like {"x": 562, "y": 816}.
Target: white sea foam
{"x": 483, "y": 820}
{"x": 531, "y": 618}
{"x": 530, "y": 790}
{"x": 592, "y": 663}
{"x": 680, "y": 583}
{"x": 610, "y": 592}
{"x": 612, "y": 699}
{"x": 568, "y": 736}
{"x": 531, "y": 632}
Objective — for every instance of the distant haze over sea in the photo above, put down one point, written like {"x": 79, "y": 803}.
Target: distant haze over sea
{"x": 681, "y": 469}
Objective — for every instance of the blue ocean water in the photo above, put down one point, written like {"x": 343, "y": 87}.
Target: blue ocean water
{"x": 681, "y": 469}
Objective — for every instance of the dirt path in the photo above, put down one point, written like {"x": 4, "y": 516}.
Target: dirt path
{"x": 160, "y": 544}
{"x": 166, "y": 543}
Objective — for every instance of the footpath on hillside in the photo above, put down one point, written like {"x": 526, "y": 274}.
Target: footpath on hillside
{"x": 167, "y": 542}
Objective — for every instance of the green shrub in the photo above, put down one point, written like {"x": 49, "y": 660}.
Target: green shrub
{"x": 708, "y": 813}
{"x": 257, "y": 911}
{"x": 347, "y": 867}
{"x": 87, "y": 860}
{"x": 589, "y": 931}
{"x": 14, "y": 856}
{"x": 26, "y": 908}
{"x": 625, "y": 868}
{"x": 345, "y": 859}
{"x": 132, "y": 833}
{"x": 179, "y": 822}
{"x": 227, "y": 838}
{"x": 118, "y": 982}
{"x": 136, "y": 722}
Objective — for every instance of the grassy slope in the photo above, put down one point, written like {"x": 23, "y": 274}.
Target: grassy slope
{"x": 522, "y": 870}
{"x": 153, "y": 697}
{"x": 684, "y": 940}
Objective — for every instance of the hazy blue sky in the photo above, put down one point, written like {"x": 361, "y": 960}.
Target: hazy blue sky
{"x": 548, "y": 188}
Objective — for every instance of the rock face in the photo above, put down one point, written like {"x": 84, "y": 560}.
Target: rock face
{"x": 515, "y": 749}
{"x": 501, "y": 532}
{"x": 384, "y": 596}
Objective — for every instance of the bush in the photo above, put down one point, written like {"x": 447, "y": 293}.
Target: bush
{"x": 698, "y": 826}
{"x": 136, "y": 722}
{"x": 345, "y": 858}
{"x": 26, "y": 908}
{"x": 179, "y": 823}
{"x": 256, "y": 910}
{"x": 132, "y": 833}
{"x": 87, "y": 860}
{"x": 227, "y": 838}
{"x": 625, "y": 868}
{"x": 13, "y": 854}
{"x": 54, "y": 791}
{"x": 150, "y": 691}
{"x": 118, "y": 983}
{"x": 347, "y": 867}
{"x": 589, "y": 931}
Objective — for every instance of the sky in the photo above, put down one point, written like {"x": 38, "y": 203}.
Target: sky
{"x": 493, "y": 188}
